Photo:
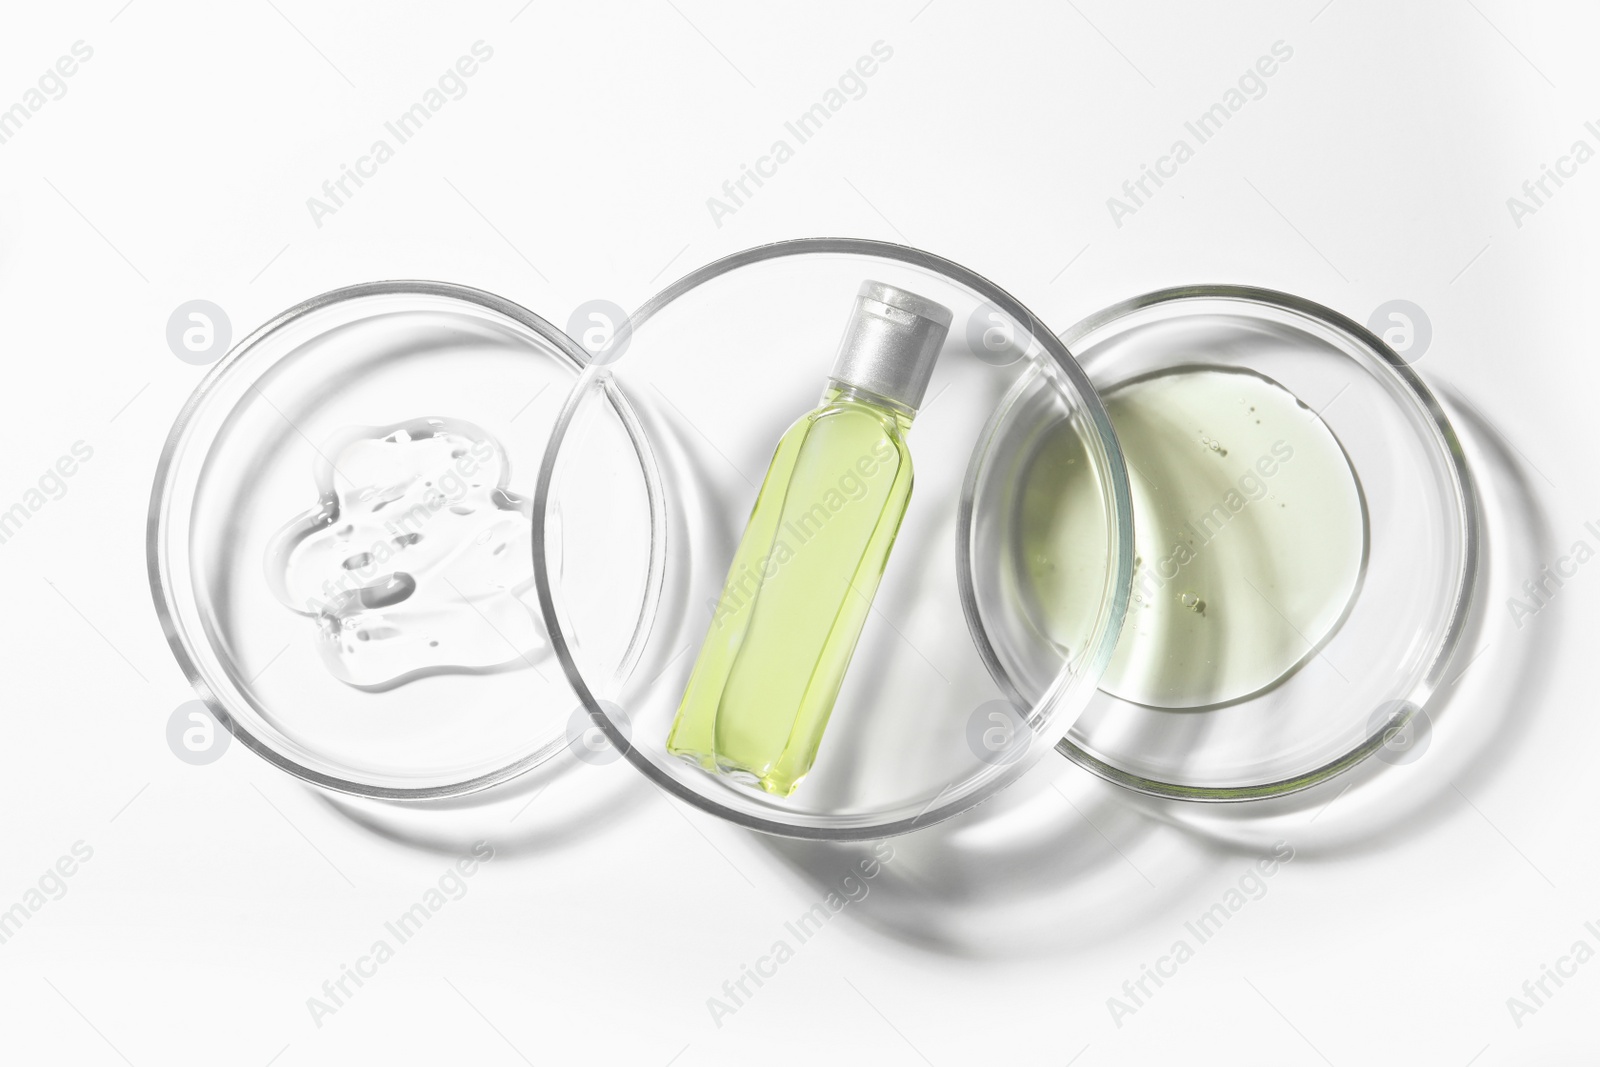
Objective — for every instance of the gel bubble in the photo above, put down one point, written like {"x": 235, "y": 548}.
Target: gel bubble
{"x": 414, "y": 560}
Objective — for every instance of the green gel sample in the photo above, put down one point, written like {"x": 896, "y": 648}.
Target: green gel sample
{"x": 1250, "y": 535}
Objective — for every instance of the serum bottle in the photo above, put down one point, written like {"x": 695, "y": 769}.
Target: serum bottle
{"x": 803, "y": 578}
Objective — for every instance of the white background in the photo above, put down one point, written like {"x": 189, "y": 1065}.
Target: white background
{"x": 218, "y": 899}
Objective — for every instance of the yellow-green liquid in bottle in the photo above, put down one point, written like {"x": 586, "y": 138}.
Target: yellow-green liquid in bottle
{"x": 801, "y": 584}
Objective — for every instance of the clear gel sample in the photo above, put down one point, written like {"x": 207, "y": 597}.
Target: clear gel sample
{"x": 1250, "y": 535}
{"x": 414, "y": 559}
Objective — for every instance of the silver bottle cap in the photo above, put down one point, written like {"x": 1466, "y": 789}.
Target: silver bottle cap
{"x": 892, "y": 342}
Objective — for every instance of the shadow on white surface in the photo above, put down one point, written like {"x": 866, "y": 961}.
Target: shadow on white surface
{"x": 1476, "y": 719}
{"x": 1063, "y": 861}
{"x": 509, "y": 815}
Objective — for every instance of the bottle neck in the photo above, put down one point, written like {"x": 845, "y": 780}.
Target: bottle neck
{"x": 838, "y": 390}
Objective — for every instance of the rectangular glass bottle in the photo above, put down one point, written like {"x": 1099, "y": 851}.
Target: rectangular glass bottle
{"x": 801, "y": 584}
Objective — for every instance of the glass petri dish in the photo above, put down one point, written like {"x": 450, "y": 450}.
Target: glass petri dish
{"x": 719, "y": 365}
{"x": 1406, "y": 537}
{"x": 340, "y": 539}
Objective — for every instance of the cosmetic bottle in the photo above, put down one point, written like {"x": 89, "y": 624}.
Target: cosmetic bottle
{"x": 802, "y": 581}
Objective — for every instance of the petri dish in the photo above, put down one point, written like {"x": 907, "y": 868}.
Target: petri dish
{"x": 719, "y": 365}
{"x": 340, "y": 539}
{"x": 1305, "y": 552}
